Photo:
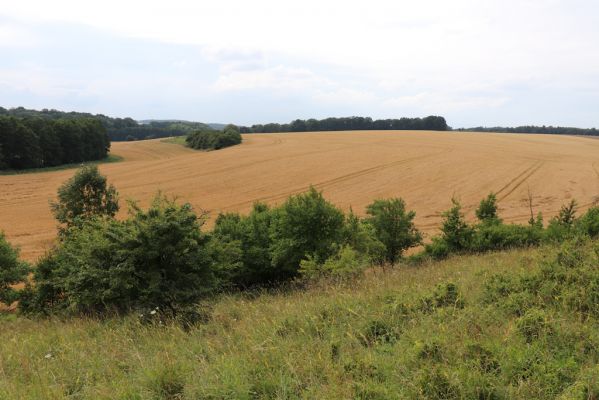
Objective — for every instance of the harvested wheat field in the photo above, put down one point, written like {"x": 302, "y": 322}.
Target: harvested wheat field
{"x": 351, "y": 168}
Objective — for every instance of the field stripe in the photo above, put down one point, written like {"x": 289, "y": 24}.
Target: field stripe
{"x": 523, "y": 178}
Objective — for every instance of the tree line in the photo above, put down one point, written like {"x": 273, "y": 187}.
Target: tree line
{"x": 161, "y": 257}
{"x": 433, "y": 123}
{"x": 118, "y": 129}
{"x": 550, "y": 130}
{"x": 32, "y": 142}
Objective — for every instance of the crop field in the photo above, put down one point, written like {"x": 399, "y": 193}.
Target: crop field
{"x": 352, "y": 169}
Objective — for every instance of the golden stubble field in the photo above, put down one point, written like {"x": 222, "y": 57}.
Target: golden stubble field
{"x": 352, "y": 168}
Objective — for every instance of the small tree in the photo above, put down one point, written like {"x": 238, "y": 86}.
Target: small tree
{"x": 487, "y": 210}
{"x": 12, "y": 271}
{"x": 306, "y": 225}
{"x": 361, "y": 236}
{"x": 393, "y": 226}
{"x": 156, "y": 258}
{"x": 84, "y": 196}
{"x": 567, "y": 214}
{"x": 455, "y": 231}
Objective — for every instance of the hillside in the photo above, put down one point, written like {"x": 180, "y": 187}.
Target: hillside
{"x": 433, "y": 332}
{"x": 424, "y": 168}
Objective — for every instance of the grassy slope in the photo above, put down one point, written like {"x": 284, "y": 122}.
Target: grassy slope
{"x": 302, "y": 344}
{"x": 175, "y": 140}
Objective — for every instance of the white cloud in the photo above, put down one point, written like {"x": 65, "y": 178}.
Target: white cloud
{"x": 13, "y": 35}
{"x": 423, "y": 56}
{"x": 275, "y": 78}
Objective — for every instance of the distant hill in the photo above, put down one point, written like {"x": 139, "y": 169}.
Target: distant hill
{"x": 118, "y": 129}
{"x": 217, "y": 126}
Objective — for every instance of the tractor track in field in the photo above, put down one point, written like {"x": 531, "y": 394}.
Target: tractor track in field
{"x": 331, "y": 182}
{"x": 519, "y": 180}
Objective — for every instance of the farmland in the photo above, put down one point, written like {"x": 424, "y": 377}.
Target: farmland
{"x": 424, "y": 168}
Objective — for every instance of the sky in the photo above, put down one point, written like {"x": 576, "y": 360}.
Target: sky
{"x": 476, "y": 62}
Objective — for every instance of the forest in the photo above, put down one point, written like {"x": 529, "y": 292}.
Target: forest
{"x": 433, "y": 123}
{"x": 118, "y": 129}
{"x": 32, "y": 142}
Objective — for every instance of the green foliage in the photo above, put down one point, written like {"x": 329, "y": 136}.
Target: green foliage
{"x": 214, "y": 140}
{"x": 31, "y": 142}
{"x": 305, "y": 225}
{"x": 156, "y": 258}
{"x": 86, "y": 195}
{"x": 393, "y": 226}
{"x": 345, "y": 264}
{"x": 532, "y": 325}
{"x": 361, "y": 236}
{"x": 249, "y": 239}
{"x": 487, "y": 210}
{"x": 454, "y": 230}
{"x": 433, "y": 123}
{"x": 12, "y": 271}
{"x": 498, "y": 236}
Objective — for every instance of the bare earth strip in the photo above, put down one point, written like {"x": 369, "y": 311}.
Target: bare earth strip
{"x": 352, "y": 168}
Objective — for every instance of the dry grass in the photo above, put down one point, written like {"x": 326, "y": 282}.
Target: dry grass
{"x": 424, "y": 168}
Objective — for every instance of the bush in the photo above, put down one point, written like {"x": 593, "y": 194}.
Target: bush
{"x": 346, "y": 263}
{"x": 394, "y": 227}
{"x": 305, "y": 225}
{"x": 487, "y": 210}
{"x": 12, "y": 271}
{"x": 588, "y": 224}
{"x": 251, "y": 235}
{"x": 214, "y": 140}
{"x": 360, "y": 235}
{"x": 156, "y": 258}
{"x": 498, "y": 236}
{"x": 84, "y": 196}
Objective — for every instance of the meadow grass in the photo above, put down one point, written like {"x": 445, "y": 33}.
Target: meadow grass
{"x": 372, "y": 338}
{"x": 176, "y": 140}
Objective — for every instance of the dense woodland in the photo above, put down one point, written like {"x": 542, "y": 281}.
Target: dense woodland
{"x": 433, "y": 123}
{"x": 33, "y": 142}
{"x": 118, "y": 129}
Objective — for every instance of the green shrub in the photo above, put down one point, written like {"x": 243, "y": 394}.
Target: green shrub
{"x": 251, "y": 235}
{"x": 12, "y": 271}
{"x": 86, "y": 195}
{"x": 588, "y": 224}
{"x": 214, "y": 140}
{"x": 487, "y": 210}
{"x": 305, "y": 225}
{"x": 437, "y": 249}
{"x": 156, "y": 258}
{"x": 393, "y": 226}
{"x": 498, "y": 236}
{"x": 361, "y": 236}
{"x": 345, "y": 263}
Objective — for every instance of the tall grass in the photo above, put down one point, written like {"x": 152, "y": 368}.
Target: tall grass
{"x": 387, "y": 335}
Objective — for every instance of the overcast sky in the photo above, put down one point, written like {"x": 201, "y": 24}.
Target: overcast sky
{"x": 476, "y": 62}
